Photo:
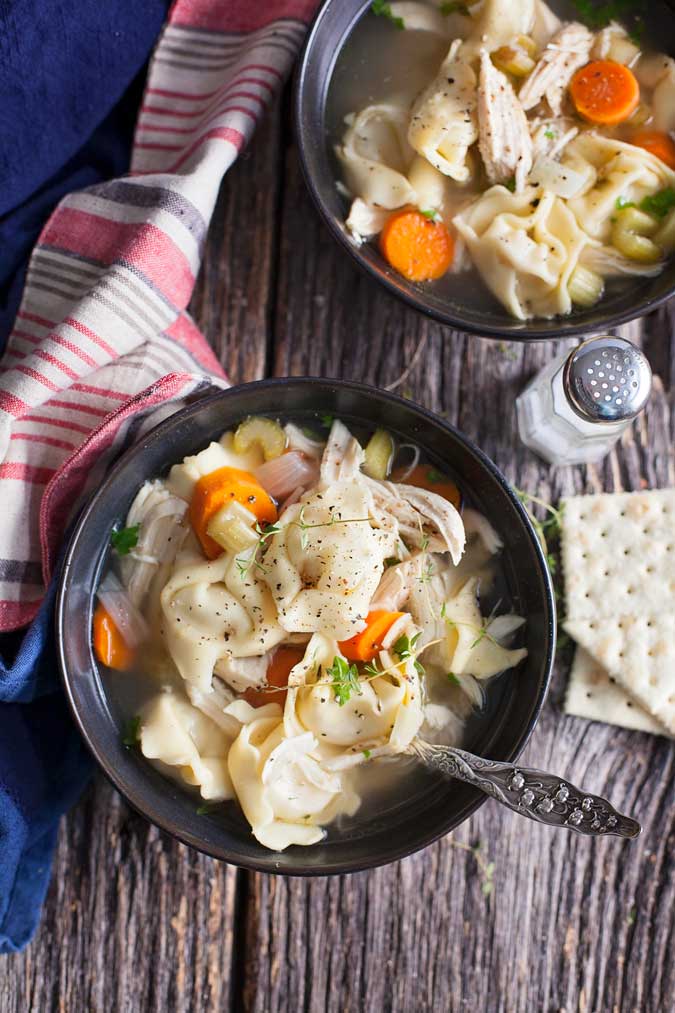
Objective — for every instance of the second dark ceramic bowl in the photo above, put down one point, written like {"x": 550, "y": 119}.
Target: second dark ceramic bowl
{"x": 428, "y": 806}
{"x": 327, "y": 37}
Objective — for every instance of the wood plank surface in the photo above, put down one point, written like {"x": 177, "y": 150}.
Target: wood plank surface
{"x": 135, "y": 921}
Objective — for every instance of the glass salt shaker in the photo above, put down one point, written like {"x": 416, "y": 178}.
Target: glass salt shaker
{"x": 576, "y": 408}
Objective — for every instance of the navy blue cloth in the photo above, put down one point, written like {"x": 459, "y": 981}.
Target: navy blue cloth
{"x": 71, "y": 74}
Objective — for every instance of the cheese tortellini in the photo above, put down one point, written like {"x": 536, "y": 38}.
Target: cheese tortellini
{"x": 500, "y": 154}
{"x": 282, "y": 666}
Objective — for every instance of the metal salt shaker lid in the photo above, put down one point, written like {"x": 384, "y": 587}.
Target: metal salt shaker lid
{"x": 607, "y": 379}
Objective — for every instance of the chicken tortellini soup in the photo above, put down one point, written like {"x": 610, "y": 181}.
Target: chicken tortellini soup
{"x": 500, "y": 138}
{"x": 288, "y": 609}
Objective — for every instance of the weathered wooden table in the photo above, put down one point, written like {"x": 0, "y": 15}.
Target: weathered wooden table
{"x": 136, "y": 921}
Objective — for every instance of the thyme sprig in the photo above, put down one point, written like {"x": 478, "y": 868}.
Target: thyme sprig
{"x": 548, "y": 532}
{"x": 244, "y": 563}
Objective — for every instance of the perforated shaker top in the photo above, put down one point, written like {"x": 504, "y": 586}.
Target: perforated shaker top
{"x": 607, "y": 379}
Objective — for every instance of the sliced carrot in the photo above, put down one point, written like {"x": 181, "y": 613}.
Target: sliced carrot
{"x": 278, "y": 670}
{"x": 605, "y": 92}
{"x": 227, "y": 485}
{"x": 364, "y": 646}
{"x": 424, "y": 476}
{"x": 110, "y": 647}
{"x": 657, "y": 143}
{"x": 415, "y": 246}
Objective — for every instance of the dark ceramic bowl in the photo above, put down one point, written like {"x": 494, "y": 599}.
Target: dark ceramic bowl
{"x": 426, "y": 806}
{"x": 320, "y": 64}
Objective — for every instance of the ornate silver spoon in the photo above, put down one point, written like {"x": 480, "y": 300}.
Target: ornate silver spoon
{"x": 542, "y": 797}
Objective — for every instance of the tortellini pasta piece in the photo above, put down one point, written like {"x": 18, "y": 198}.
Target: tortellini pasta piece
{"x": 525, "y": 247}
{"x": 375, "y": 156}
{"x": 211, "y": 610}
{"x": 285, "y": 793}
{"x": 470, "y": 651}
{"x": 443, "y": 120}
{"x": 188, "y": 744}
{"x": 383, "y": 716}
{"x": 498, "y": 22}
{"x": 619, "y": 170}
{"x": 183, "y": 476}
{"x": 314, "y": 566}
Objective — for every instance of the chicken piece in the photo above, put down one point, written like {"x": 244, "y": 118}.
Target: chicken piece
{"x": 395, "y": 586}
{"x": 568, "y": 50}
{"x": 423, "y": 519}
{"x": 503, "y": 133}
{"x": 550, "y": 136}
{"x": 365, "y": 220}
{"x": 342, "y": 458}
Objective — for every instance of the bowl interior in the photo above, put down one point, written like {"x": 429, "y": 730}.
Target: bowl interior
{"x": 339, "y": 52}
{"x": 426, "y": 806}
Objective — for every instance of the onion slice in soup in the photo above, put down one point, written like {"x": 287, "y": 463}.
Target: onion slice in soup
{"x": 282, "y": 476}
{"x": 126, "y": 617}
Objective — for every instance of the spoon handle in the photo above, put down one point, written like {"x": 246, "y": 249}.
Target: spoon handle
{"x": 545, "y": 798}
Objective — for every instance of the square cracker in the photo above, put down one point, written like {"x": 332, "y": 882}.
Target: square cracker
{"x": 639, "y": 652}
{"x": 618, "y": 554}
{"x": 593, "y": 694}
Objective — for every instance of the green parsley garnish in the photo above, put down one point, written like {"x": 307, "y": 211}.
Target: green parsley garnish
{"x": 367, "y": 753}
{"x": 383, "y": 9}
{"x": 204, "y": 809}
{"x": 123, "y": 540}
{"x": 131, "y": 735}
{"x": 659, "y": 204}
{"x": 453, "y": 679}
{"x": 244, "y": 563}
{"x": 551, "y": 134}
{"x": 326, "y": 420}
{"x": 431, "y": 215}
{"x": 623, "y": 202}
{"x": 453, "y": 7}
{"x": 344, "y": 680}
{"x": 405, "y": 649}
{"x": 435, "y": 476}
{"x": 511, "y": 184}
{"x": 598, "y": 15}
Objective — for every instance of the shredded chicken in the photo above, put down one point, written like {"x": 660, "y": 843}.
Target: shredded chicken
{"x": 568, "y": 50}
{"x": 243, "y": 673}
{"x": 551, "y": 136}
{"x": 503, "y": 133}
{"x": 395, "y": 586}
{"x": 342, "y": 458}
{"x": 424, "y": 519}
{"x": 365, "y": 220}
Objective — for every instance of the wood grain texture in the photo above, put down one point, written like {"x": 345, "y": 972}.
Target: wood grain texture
{"x": 135, "y": 921}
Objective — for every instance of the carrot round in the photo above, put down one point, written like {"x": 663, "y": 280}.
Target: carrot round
{"x": 364, "y": 646}
{"x": 110, "y": 647}
{"x": 424, "y": 476}
{"x": 416, "y": 247}
{"x": 215, "y": 490}
{"x": 278, "y": 670}
{"x": 605, "y": 92}
{"x": 658, "y": 143}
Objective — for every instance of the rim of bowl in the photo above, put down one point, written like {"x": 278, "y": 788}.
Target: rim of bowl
{"x": 153, "y": 812}
{"x": 305, "y": 139}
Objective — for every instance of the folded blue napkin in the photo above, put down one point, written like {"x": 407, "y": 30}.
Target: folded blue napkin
{"x": 70, "y": 84}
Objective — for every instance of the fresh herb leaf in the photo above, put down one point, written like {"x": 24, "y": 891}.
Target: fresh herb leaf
{"x": 453, "y": 7}
{"x": 659, "y": 204}
{"x": 383, "y": 9}
{"x": 132, "y": 732}
{"x": 204, "y": 809}
{"x": 511, "y": 184}
{"x": 431, "y": 215}
{"x": 372, "y": 668}
{"x": 623, "y": 202}
{"x": 551, "y": 134}
{"x": 405, "y": 646}
{"x": 599, "y": 15}
{"x": 367, "y": 753}
{"x": 244, "y": 563}
{"x": 344, "y": 680}
{"x": 123, "y": 540}
{"x": 425, "y": 543}
{"x": 326, "y": 420}
{"x": 452, "y": 678}
{"x": 434, "y": 475}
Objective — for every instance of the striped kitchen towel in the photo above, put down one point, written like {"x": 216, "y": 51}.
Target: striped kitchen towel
{"x": 102, "y": 345}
